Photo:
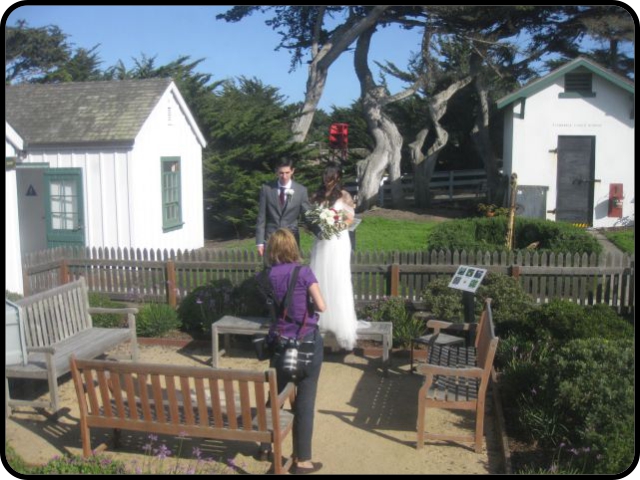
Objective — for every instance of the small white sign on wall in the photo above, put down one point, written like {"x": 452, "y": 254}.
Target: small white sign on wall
{"x": 467, "y": 278}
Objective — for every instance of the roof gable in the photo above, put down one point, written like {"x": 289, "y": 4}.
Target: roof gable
{"x": 580, "y": 62}
{"x": 82, "y": 112}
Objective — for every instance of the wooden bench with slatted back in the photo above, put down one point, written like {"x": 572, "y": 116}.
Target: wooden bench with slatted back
{"x": 176, "y": 400}
{"x": 58, "y": 323}
{"x": 457, "y": 378}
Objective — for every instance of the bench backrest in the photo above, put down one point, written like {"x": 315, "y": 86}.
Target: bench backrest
{"x": 193, "y": 400}
{"x": 486, "y": 341}
{"x": 56, "y": 314}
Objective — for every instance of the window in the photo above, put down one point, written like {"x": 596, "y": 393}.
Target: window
{"x": 578, "y": 84}
{"x": 171, "y": 194}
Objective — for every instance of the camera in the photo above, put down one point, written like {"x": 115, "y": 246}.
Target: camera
{"x": 290, "y": 360}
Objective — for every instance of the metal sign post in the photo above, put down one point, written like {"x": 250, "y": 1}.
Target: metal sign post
{"x": 468, "y": 280}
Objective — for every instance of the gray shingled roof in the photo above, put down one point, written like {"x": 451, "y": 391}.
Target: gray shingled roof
{"x": 82, "y": 112}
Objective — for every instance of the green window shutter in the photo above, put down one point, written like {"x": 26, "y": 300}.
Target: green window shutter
{"x": 171, "y": 193}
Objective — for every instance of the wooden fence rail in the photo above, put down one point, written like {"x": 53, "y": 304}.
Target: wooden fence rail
{"x": 138, "y": 275}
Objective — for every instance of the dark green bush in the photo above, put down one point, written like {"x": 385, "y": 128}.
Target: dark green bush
{"x": 156, "y": 319}
{"x": 562, "y": 320}
{"x": 591, "y": 382}
{"x": 206, "y": 304}
{"x": 400, "y": 313}
{"x": 489, "y": 234}
{"x": 12, "y": 296}
{"x": 510, "y": 303}
{"x": 106, "y": 320}
{"x": 248, "y": 300}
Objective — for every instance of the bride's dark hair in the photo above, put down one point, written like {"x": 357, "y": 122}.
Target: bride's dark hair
{"x": 330, "y": 191}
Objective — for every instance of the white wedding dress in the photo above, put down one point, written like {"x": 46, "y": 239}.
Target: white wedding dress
{"x": 331, "y": 264}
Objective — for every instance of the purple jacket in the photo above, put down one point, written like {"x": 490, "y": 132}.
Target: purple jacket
{"x": 280, "y": 277}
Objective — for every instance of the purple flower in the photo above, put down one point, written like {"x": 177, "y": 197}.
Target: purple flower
{"x": 196, "y": 452}
{"x": 163, "y": 452}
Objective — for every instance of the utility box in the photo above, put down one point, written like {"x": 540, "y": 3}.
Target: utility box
{"x": 16, "y": 349}
{"x": 531, "y": 201}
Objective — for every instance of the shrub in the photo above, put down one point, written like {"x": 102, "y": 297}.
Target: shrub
{"x": 400, "y": 313}
{"x": 156, "y": 319}
{"x": 510, "y": 303}
{"x": 76, "y": 464}
{"x": 206, "y": 304}
{"x": 562, "y": 320}
{"x": 12, "y": 296}
{"x": 591, "y": 382}
{"x": 105, "y": 320}
{"x": 489, "y": 234}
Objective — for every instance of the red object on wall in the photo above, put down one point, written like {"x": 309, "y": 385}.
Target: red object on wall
{"x": 615, "y": 200}
{"x": 339, "y": 135}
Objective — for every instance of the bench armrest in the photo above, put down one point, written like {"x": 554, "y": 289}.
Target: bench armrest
{"x": 41, "y": 349}
{"x": 426, "y": 369}
{"x": 288, "y": 392}
{"x": 438, "y": 325}
{"x": 113, "y": 310}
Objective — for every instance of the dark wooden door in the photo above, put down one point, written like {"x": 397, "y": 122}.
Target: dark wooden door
{"x": 576, "y": 164}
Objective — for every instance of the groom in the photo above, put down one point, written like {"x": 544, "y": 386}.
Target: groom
{"x": 282, "y": 201}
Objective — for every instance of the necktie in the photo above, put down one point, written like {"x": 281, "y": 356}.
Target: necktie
{"x": 281, "y": 196}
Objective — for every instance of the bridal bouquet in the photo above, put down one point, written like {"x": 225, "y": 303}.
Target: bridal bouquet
{"x": 329, "y": 221}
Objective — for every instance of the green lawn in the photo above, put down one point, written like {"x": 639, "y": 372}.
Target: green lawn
{"x": 624, "y": 239}
{"x": 373, "y": 234}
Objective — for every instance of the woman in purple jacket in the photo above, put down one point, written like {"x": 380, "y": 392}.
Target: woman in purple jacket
{"x": 300, "y": 325}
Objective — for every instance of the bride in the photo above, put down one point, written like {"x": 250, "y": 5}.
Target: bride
{"x": 331, "y": 263}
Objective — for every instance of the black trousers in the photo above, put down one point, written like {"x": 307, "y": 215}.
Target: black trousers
{"x": 306, "y": 382}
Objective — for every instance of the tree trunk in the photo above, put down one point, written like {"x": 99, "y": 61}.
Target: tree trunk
{"x": 482, "y": 142}
{"x": 322, "y": 57}
{"x": 388, "y": 141}
{"x": 424, "y": 165}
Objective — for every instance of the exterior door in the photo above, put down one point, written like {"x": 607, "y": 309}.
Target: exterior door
{"x": 576, "y": 165}
{"x": 64, "y": 207}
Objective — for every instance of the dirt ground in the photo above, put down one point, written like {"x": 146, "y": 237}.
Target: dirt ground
{"x": 365, "y": 421}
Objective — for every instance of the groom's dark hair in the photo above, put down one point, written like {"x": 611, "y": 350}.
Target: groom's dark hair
{"x": 284, "y": 162}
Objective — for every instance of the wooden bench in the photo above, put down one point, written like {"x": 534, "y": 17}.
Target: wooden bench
{"x": 457, "y": 378}
{"x": 229, "y": 324}
{"x": 57, "y": 323}
{"x": 177, "y": 400}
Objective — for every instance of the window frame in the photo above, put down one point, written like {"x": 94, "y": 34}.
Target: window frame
{"x": 171, "y": 191}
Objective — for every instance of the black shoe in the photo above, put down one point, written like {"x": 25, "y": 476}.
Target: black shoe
{"x": 296, "y": 470}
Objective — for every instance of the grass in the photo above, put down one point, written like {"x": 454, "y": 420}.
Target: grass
{"x": 624, "y": 239}
{"x": 373, "y": 234}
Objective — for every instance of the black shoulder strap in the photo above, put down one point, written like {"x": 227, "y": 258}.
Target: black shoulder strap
{"x": 292, "y": 284}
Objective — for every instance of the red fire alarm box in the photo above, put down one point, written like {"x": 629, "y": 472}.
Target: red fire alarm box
{"x": 339, "y": 135}
{"x": 615, "y": 200}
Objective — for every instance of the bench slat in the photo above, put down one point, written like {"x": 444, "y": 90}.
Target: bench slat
{"x": 456, "y": 377}
{"x": 140, "y": 397}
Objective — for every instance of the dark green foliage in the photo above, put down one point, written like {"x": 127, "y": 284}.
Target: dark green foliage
{"x": 248, "y": 300}
{"x": 12, "y": 296}
{"x": 509, "y": 301}
{"x": 591, "y": 382}
{"x": 566, "y": 374}
{"x": 75, "y": 464}
{"x": 156, "y": 319}
{"x": 248, "y": 127}
{"x": 562, "y": 321}
{"x": 488, "y": 234}
{"x": 106, "y": 320}
{"x": 400, "y": 313}
{"x": 206, "y": 304}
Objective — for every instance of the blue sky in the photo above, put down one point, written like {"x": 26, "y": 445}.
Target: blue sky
{"x": 230, "y": 49}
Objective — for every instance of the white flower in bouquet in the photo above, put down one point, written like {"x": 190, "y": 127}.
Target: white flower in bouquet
{"x": 289, "y": 192}
{"x": 330, "y": 221}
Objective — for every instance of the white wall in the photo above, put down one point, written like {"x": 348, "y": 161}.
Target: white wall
{"x": 605, "y": 116}
{"x": 13, "y": 253}
{"x": 166, "y": 134}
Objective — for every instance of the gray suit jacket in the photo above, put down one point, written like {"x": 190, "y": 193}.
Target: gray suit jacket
{"x": 272, "y": 216}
